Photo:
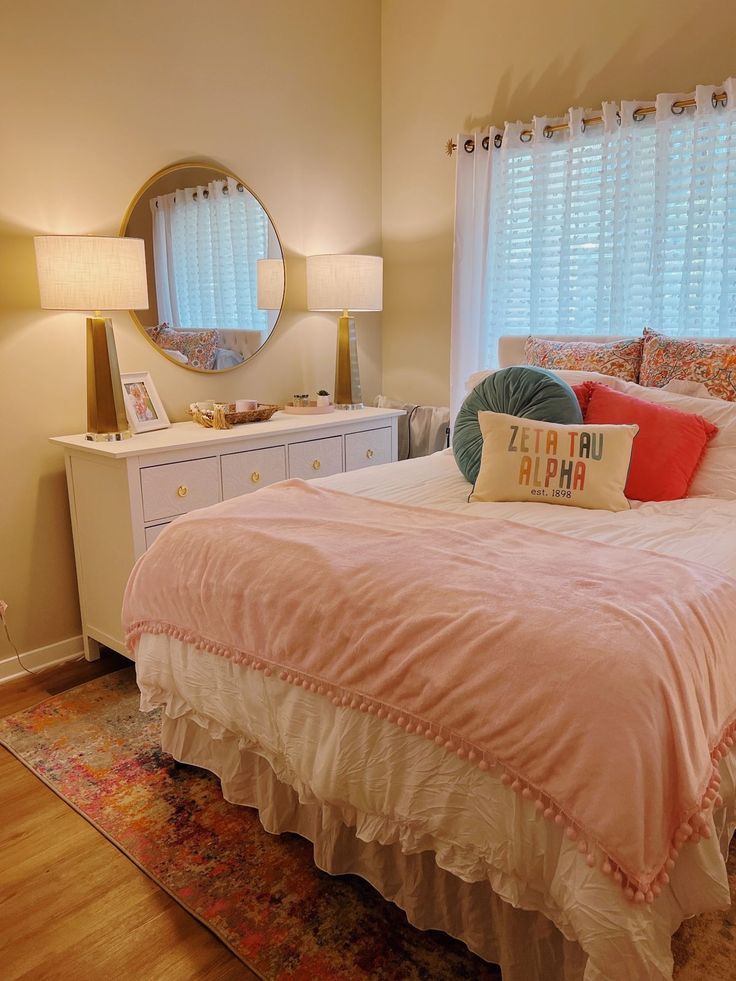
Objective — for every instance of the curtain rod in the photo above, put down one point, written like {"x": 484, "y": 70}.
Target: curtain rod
{"x": 205, "y": 194}
{"x": 677, "y": 108}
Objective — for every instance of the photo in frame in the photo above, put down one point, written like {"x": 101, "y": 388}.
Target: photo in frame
{"x": 143, "y": 406}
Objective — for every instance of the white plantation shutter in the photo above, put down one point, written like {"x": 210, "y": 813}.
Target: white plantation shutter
{"x": 207, "y": 242}
{"x": 597, "y": 230}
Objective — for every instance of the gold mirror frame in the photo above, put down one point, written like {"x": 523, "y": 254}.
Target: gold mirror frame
{"x": 216, "y": 169}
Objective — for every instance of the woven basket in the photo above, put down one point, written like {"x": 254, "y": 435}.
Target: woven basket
{"x": 222, "y": 415}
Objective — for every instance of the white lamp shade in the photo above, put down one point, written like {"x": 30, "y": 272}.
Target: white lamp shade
{"x": 270, "y": 274}
{"x": 344, "y": 282}
{"x": 87, "y": 272}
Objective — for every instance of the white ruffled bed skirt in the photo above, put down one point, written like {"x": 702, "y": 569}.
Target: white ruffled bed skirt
{"x": 526, "y": 945}
{"x": 454, "y": 847}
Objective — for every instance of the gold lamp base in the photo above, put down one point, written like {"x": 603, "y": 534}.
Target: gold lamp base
{"x": 106, "y": 419}
{"x": 109, "y": 437}
{"x": 348, "y": 393}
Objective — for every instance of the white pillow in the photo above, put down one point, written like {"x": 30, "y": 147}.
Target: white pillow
{"x": 681, "y": 387}
{"x": 477, "y": 377}
{"x": 571, "y": 377}
{"x": 578, "y": 377}
{"x": 176, "y": 355}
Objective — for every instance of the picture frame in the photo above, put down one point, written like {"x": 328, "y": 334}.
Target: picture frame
{"x": 143, "y": 407}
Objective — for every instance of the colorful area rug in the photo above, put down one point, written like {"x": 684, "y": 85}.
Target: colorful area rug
{"x": 261, "y": 894}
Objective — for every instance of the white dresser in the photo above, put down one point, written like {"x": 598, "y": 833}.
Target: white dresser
{"x": 122, "y": 495}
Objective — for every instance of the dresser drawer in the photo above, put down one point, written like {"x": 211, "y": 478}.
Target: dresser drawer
{"x": 153, "y": 531}
{"x": 316, "y": 457}
{"x": 247, "y": 471}
{"x": 367, "y": 449}
{"x": 175, "y": 488}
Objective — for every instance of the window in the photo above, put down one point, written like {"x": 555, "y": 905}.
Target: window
{"x": 207, "y": 243}
{"x": 598, "y": 229}
{"x": 618, "y": 232}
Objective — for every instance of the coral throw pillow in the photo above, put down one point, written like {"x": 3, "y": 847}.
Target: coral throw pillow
{"x": 582, "y": 394}
{"x": 622, "y": 359}
{"x": 668, "y": 359}
{"x": 199, "y": 347}
{"x": 668, "y": 449}
{"x": 526, "y": 460}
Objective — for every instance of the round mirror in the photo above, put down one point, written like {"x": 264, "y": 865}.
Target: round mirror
{"x": 215, "y": 266}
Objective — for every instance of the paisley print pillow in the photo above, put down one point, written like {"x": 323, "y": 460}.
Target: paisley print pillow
{"x": 622, "y": 359}
{"x": 669, "y": 358}
{"x": 199, "y": 347}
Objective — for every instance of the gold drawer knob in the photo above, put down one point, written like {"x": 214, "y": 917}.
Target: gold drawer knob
{"x": 255, "y": 476}
{"x": 182, "y": 490}
{"x": 369, "y": 454}
{"x": 316, "y": 465}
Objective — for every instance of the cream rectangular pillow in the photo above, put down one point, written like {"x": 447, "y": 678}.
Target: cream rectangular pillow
{"x": 526, "y": 460}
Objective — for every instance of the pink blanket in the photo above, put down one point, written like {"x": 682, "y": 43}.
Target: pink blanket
{"x": 601, "y": 681}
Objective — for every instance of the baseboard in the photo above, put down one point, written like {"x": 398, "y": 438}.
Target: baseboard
{"x": 42, "y": 657}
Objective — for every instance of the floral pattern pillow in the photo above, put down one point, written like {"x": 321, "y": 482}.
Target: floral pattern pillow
{"x": 199, "y": 347}
{"x": 668, "y": 359}
{"x": 622, "y": 359}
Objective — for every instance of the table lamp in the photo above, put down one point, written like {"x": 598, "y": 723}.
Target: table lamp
{"x": 86, "y": 272}
{"x": 345, "y": 283}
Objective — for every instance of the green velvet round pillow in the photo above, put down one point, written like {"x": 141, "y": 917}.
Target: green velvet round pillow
{"x": 521, "y": 390}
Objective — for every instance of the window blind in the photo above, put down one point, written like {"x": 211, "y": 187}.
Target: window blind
{"x": 610, "y": 232}
{"x": 208, "y": 242}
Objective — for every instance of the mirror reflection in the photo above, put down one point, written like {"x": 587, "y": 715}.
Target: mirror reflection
{"x": 215, "y": 266}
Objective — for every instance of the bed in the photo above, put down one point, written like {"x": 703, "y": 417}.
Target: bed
{"x": 447, "y": 839}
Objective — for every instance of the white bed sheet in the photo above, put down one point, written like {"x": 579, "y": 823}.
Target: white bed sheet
{"x": 393, "y": 788}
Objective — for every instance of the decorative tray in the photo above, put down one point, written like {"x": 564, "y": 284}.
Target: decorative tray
{"x": 222, "y": 415}
{"x": 308, "y": 410}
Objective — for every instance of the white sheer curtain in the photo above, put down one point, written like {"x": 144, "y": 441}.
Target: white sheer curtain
{"x": 596, "y": 230}
{"x": 206, "y": 243}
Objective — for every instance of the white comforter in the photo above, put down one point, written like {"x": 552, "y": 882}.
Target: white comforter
{"x": 698, "y": 529}
{"x": 476, "y": 826}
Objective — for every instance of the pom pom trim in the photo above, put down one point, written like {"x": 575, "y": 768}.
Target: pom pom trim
{"x": 692, "y": 828}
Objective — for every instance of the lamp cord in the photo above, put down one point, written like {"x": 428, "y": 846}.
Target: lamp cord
{"x": 3, "y": 609}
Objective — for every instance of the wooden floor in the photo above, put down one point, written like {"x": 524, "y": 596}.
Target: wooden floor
{"x": 71, "y": 905}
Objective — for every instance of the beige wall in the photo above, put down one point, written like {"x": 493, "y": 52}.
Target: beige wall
{"x": 94, "y": 98}
{"x": 449, "y": 65}
{"x": 313, "y": 103}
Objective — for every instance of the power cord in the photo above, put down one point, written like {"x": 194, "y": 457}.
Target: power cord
{"x": 3, "y": 611}
{"x": 408, "y": 432}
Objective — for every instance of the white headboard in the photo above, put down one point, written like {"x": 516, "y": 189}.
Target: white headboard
{"x": 245, "y": 342}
